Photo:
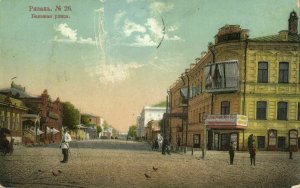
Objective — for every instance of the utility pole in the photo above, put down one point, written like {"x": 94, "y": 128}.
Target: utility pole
{"x": 204, "y": 137}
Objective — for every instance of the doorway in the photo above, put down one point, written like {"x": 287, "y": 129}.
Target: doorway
{"x": 196, "y": 141}
{"x": 281, "y": 143}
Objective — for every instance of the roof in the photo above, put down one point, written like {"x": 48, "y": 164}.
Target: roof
{"x": 15, "y": 92}
{"x": 278, "y": 38}
{"x": 17, "y": 103}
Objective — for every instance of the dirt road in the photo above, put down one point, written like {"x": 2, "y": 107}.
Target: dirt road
{"x": 124, "y": 164}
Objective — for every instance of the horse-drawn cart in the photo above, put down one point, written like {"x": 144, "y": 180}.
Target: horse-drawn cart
{"x": 6, "y": 144}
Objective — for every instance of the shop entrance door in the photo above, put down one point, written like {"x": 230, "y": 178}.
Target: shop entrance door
{"x": 196, "y": 140}
{"x": 225, "y": 139}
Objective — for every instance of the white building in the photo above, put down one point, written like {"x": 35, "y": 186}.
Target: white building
{"x": 149, "y": 113}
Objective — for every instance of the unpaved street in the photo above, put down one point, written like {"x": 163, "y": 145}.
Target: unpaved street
{"x": 106, "y": 163}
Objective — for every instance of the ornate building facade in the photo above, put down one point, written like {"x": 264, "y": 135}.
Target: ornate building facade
{"x": 242, "y": 86}
{"x": 11, "y": 114}
{"x": 43, "y": 115}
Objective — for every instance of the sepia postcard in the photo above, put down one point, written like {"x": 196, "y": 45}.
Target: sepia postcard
{"x": 150, "y": 93}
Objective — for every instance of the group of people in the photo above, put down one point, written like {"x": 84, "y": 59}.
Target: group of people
{"x": 251, "y": 148}
{"x": 162, "y": 144}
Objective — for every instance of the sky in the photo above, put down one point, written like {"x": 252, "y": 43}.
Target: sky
{"x": 113, "y": 57}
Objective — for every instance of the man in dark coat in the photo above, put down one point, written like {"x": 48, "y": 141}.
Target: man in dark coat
{"x": 231, "y": 152}
{"x": 252, "y": 152}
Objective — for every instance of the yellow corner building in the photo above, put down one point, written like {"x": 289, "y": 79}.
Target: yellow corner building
{"x": 240, "y": 86}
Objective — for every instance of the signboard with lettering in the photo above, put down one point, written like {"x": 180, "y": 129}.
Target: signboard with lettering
{"x": 227, "y": 120}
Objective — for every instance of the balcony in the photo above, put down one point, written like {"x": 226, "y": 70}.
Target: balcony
{"x": 234, "y": 121}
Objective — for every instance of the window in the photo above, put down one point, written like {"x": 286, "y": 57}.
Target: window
{"x": 283, "y": 72}
{"x": 299, "y": 74}
{"x": 262, "y": 72}
{"x": 298, "y": 118}
{"x": 261, "y": 142}
{"x": 282, "y": 111}
{"x": 261, "y": 110}
{"x": 225, "y": 107}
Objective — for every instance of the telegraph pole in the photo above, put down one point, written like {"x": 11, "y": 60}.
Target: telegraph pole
{"x": 204, "y": 137}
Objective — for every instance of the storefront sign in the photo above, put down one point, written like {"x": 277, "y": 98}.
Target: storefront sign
{"x": 227, "y": 120}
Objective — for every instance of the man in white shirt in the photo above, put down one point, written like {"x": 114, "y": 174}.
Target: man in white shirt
{"x": 64, "y": 145}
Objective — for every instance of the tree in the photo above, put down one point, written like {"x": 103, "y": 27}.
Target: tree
{"x": 85, "y": 119}
{"x": 105, "y": 126}
{"x": 70, "y": 116}
{"x": 161, "y": 104}
{"x": 132, "y": 131}
{"x": 99, "y": 129}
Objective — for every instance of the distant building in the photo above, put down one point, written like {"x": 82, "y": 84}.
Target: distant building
{"x": 152, "y": 130}
{"x": 149, "y": 113}
{"x": 47, "y": 113}
{"x": 94, "y": 121}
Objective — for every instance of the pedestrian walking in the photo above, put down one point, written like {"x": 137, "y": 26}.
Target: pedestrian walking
{"x": 252, "y": 152}
{"x": 64, "y": 145}
{"x": 231, "y": 152}
{"x": 165, "y": 146}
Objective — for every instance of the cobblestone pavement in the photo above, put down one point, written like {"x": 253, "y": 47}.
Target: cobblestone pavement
{"x": 106, "y": 163}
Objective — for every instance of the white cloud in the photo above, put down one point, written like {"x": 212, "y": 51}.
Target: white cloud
{"x": 112, "y": 73}
{"x": 160, "y": 7}
{"x": 154, "y": 27}
{"x": 175, "y": 37}
{"x": 144, "y": 41}
{"x": 172, "y": 28}
{"x": 157, "y": 30}
{"x": 101, "y": 10}
{"x": 67, "y": 32}
{"x": 130, "y": 1}
{"x": 119, "y": 16}
{"x": 69, "y": 35}
{"x": 131, "y": 27}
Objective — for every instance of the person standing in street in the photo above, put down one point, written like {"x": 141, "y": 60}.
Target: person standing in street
{"x": 64, "y": 145}
{"x": 252, "y": 152}
{"x": 231, "y": 152}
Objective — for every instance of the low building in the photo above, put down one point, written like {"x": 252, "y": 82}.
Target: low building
{"x": 11, "y": 115}
{"x": 149, "y": 113}
{"x": 152, "y": 130}
{"x": 47, "y": 111}
{"x": 94, "y": 121}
